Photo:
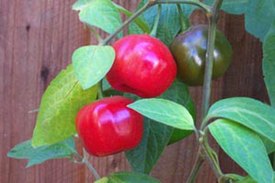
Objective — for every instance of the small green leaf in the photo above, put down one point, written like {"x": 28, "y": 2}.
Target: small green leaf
{"x": 269, "y": 63}
{"x": 249, "y": 112}
{"x": 127, "y": 177}
{"x": 41, "y": 154}
{"x": 91, "y": 64}
{"x": 244, "y": 147}
{"x": 99, "y": 13}
{"x": 80, "y": 4}
{"x": 59, "y": 106}
{"x": 166, "y": 112}
{"x": 154, "y": 140}
{"x": 139, "y": 22}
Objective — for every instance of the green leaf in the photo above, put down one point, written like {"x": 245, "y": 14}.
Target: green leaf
{"x": 41, "y": 154}
{"x": 262, "y": 14}
{"x": 80, "y": 4}
{"x": 269, "y": 63}
{"x": 91, "y": 64}
{"x": 244, "y": 147}
{"x": 99, "y": 13}
{"x": 59, "y": 106}
{"x": 247, "y": 180}
{"x": 157, "y": 135}
{"x": 154, "y": 140}
{"x": 165, "y": 111}
{"x": 127, "y": 177}
{"x": 232, "y": 6}
{"x": 249, "y": 112}
{"x": 169, "y": 24}
{"x": 139, "y": 22}
{"x": 257, "y": 12}
{"x": 179, "y": 93}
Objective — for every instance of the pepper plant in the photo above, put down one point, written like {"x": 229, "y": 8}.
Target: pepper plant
{"x": 142, "y": 106}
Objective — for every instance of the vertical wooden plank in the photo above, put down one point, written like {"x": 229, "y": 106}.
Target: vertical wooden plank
{"x": 37, "y": 39}
{"x": 244, "y": 77}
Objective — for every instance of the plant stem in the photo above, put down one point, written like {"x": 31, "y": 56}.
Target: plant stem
{"x": 156, "y": 23}
{"x": 85, "y": 160}
{"x": 128, "y": 21}
{"x": 100, "y": 94}
{"x": 183, "y": 20}
{"x": 212, "y": 157}
{"x": 212, "y": 18}
{"x": 205, "y": 149}
{"x": 97, "y": 36}
{"x": 192, "y": 2}
{"x": 196, "y": 167}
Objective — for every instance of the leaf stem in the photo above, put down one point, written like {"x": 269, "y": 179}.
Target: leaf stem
{"x": 156, "y": 23}
{"x": 97, "y": 36}
{"x": 205, "y": 7}
{"x": 86, "y": 161}
{"x": 128, "y": 21}
{"x": 183, "y": 20}
{"x": 100, "y": 94}
{"x": 196, "y": 167}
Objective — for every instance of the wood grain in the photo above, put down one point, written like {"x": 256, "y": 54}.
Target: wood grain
{"x": 37, "y": 39}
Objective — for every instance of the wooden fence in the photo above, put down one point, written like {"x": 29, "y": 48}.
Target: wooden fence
{"x": 37, "y": 38}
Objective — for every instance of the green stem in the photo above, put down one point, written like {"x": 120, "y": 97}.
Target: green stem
{"x": 205, "y": 149}
{"x": 205, "y": 7}
{"x": 128, "y": 21}
{"x": 212, "y": 18}
{"x": 156, "y": 23}
{"x": 100, "y": 94}
{"x": 196, "y": 167}
{"x": 86, "y": 161}
{"x": 183, "y": 20}
{"x": 97, "y": 36}
{"x": 212, "y": 157}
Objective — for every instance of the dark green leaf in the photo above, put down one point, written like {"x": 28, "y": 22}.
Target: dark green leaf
{"x": 260, "y": 13}
{"x": 91, "y": 64}
{"x": 59, "y": 106}
{"x": 169, "y": 24}
{"x": 157, "y": 135}
{"x": 165, "y": 111}
{"x": 38, "y": 155}
{"x": 154, "y": 140}
{"x": 233, "y": 6}
{"x": 269, "y": 63}
{"x": 127, "y": 177}
{"x": 245, "y": 147}
{"x": 100, "y": 13}
{"x": 251, "y": 113}
{"x": 257, "y": 12}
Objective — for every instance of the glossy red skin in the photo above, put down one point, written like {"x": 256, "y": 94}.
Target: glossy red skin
{"x": 143, "y": 66}
{"x": 108, "y": 126}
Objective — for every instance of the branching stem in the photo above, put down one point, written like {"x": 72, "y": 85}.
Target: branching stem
{"x": 203, "y": 6}
{"x": 127, "y": 22}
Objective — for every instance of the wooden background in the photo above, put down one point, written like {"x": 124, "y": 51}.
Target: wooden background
{"x": 37, "y": 39}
